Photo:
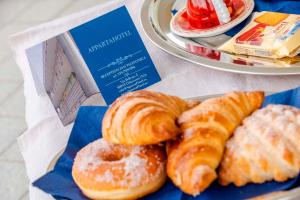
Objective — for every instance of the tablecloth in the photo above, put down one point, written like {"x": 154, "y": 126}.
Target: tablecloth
{"x": 46, "y": 136}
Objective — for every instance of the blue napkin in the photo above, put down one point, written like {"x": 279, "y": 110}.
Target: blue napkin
{"x": 284, "y": 6}
{"x": 60, "y": 185}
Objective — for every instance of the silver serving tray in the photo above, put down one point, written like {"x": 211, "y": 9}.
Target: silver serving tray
{"x": 155, "y": 18}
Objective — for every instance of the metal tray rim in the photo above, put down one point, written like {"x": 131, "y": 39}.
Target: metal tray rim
{"x": 205, "y": 62}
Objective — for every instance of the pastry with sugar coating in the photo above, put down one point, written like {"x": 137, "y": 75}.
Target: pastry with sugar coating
{"x": 108, "y": 171}
{"x": 266, "y": 147}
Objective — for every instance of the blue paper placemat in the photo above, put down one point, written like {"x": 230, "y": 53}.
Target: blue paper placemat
{"x": 284, "y": 6}
{"x": 59, "y": 182}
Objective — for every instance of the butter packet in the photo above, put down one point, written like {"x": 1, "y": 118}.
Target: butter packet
{"x": 269, "y": 34}
{"x": 273, "y": 62}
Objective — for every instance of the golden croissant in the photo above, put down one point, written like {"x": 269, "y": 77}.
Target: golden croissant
{"x": 142, "y": 118}
{"x": 194, "y": 157}
{"x": 266, "y": 147}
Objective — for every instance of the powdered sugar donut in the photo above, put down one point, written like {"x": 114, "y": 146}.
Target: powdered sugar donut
{"x": 108, "y": 171}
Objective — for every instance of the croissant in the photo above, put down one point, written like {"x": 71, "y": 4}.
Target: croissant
{"x": 142, "y": 118}
{"x": 194, "y": 157}
{"x": 266, "y": 147}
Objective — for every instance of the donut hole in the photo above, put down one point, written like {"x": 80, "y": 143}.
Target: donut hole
{"x": 111, "y": 157}
{"x": 115, "y": 156}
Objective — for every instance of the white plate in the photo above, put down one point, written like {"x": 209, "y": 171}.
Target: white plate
{"x": 179, "y": 30}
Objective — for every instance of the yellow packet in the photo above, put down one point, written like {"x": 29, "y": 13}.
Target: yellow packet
{"x": 273, "y": 62}
{"x": 269, "y": 34}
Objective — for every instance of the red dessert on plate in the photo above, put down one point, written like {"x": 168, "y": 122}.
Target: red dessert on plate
{"x": 206, "y": 18}
{"x": 202, "y": 14}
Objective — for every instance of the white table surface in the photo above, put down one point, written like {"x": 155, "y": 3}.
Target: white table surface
{"x": 46, "y": 136}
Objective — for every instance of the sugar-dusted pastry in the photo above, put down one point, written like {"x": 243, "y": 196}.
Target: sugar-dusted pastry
{"x": 266, "y": 147}
{"x": 142, "y": 118}
{"x": 107, "y": 171}
{"x": 194, "y": 157}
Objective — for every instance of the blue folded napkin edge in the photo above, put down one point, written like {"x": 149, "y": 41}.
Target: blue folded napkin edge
{"x": 59, "y": 182}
